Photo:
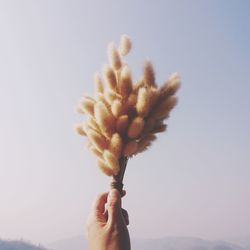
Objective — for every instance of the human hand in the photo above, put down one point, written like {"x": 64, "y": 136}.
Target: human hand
{"x": 107, "y": 226}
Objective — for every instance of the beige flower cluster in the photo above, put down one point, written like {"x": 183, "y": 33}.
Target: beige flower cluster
{"x": 124, "y": 118}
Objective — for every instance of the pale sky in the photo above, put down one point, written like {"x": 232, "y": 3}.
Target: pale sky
{"x": 194, "y": 181}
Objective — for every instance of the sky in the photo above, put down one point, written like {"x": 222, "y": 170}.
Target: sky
{"x": 194, "y": 181}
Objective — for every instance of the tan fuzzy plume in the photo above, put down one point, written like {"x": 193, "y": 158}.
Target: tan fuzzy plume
{"x": 125, "y": 83}
{"x": 130, "y": 148}
{"x": 171, "y": 85}
{"x": 149, "y": 125}
{"x": 91, "y": 122}
{"x": 164, "y": 107}
{"x": 105, "y": 168}
{"x": 143, "y": 102}
{"x": 139, "y": 84}
{"x": 104, "y": 117}
{"x": 136, "y": 127}
{"x": 125, "y": 45}
{"x": 111, "y": 161}
{"x": 109, "y": 76}
{"x": 132, "y": 99}
{"x": 79, "y": 129}
{"x": 97, "y": 140}
{"x": 145, "y": 143}
{"x": 104, "y": 100}
{"x": 99, "y": 88}
{"x": 114, "y": 57}
{"x": 115, "y": 145}
{"x": 159, "y": 128}
{"x": 122, "y": 124}
{"x": 95, "y": 152}
{"x": 111, "y": 95}
{"x": 116, "y": 108}
{"x": 86, "y": 105}
{"x": 78, "y": 109}
{"x": 148, "y": 74}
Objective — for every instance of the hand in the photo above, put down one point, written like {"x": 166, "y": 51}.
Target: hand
{"x": 107, "y": 227}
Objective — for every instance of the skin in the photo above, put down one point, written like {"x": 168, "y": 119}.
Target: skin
{"x": 107, "y": 223}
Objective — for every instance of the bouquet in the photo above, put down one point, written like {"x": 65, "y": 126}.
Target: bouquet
{"x": 124, "y": 118}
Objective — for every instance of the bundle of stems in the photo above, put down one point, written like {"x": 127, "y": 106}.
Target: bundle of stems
{"x": 124, "y": 118}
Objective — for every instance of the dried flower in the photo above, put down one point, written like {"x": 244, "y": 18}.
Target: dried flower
{"x": 125, "y": 45}
{"x": 97, "y": 139}
{"x": 111, "y": 161}
{"x": 130, "y": 148}
{"x": 87, "y": 105}
{"x": 104, "y": 117}
{"x": 105, "y": 168}
{"x": 124, "y": 118}
{"x": 143, "y": 102}
{"x": 136, "y": 127}
{"x": 99, "y": 88}
{"x": 148, "y": 74}
{"x": 116, "y": 108}
{"x": 171, "y": 85}
{"x": 125, "y": 83}
{"x": 79, "y": 129}
{"x": 122, "y": 124}
{"x": 114, "y": 57}
{"x": 115, "y": 145}
{"x": 109, "y": 76}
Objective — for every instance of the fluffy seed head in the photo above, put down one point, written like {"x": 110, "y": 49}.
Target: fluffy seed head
{"x": 109, "y": 76}
{"x": 125, "y": 83}
{"x": 139, "y": 84}
{"x": 111, "y": 161}
{"x": 148, "y": 74}
{"x": 145, "y": 143}
{"x": 95, "y": 152}
{"x": 143, "y": 102}
{"x": 97, "y": 140}
{"x": 164, "y": 107}
{"x": 115, "y": 145}
{"x": 105, "y": 168}
{"x": 79, "y": 129}
{"x": 130, "y": 148}
{"x": 136, "y": 127}
{"x": 87, "y": 105}
{"x": 99, "y": 88}
{"x": 171, "y": 86}
{"x": 111, "y": 95}
{"x": 91, "y": 122}
{"x": 159, "y": 128}
{"x": 125, "y": 45}
{"x": 122, "y": 124}
{"x": 104, "y": 117}
{"x": 116, "y": 108}
{"x": 149, "y": 125}
{"x": 114, "y": 57}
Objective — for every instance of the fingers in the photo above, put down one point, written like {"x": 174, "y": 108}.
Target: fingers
{"x": 112, "y": 213}
{"x": 96, "y": 214}
{"x": 99, "y": 203}
{"x": 125, "y": 216}
{"x": 114, "y": 207}
{"x": 123, "y": 193}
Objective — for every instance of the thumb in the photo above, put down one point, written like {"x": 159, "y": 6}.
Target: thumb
{"x": 114, "y": 206}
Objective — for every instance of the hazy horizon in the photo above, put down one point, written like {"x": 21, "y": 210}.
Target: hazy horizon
{"x": 194, "y": 181}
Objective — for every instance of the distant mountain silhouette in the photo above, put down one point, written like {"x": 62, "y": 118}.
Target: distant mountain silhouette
{"x": 167, "y": 243}
{"x": 242, "y": 241}
{"x": 18, "y": 245}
